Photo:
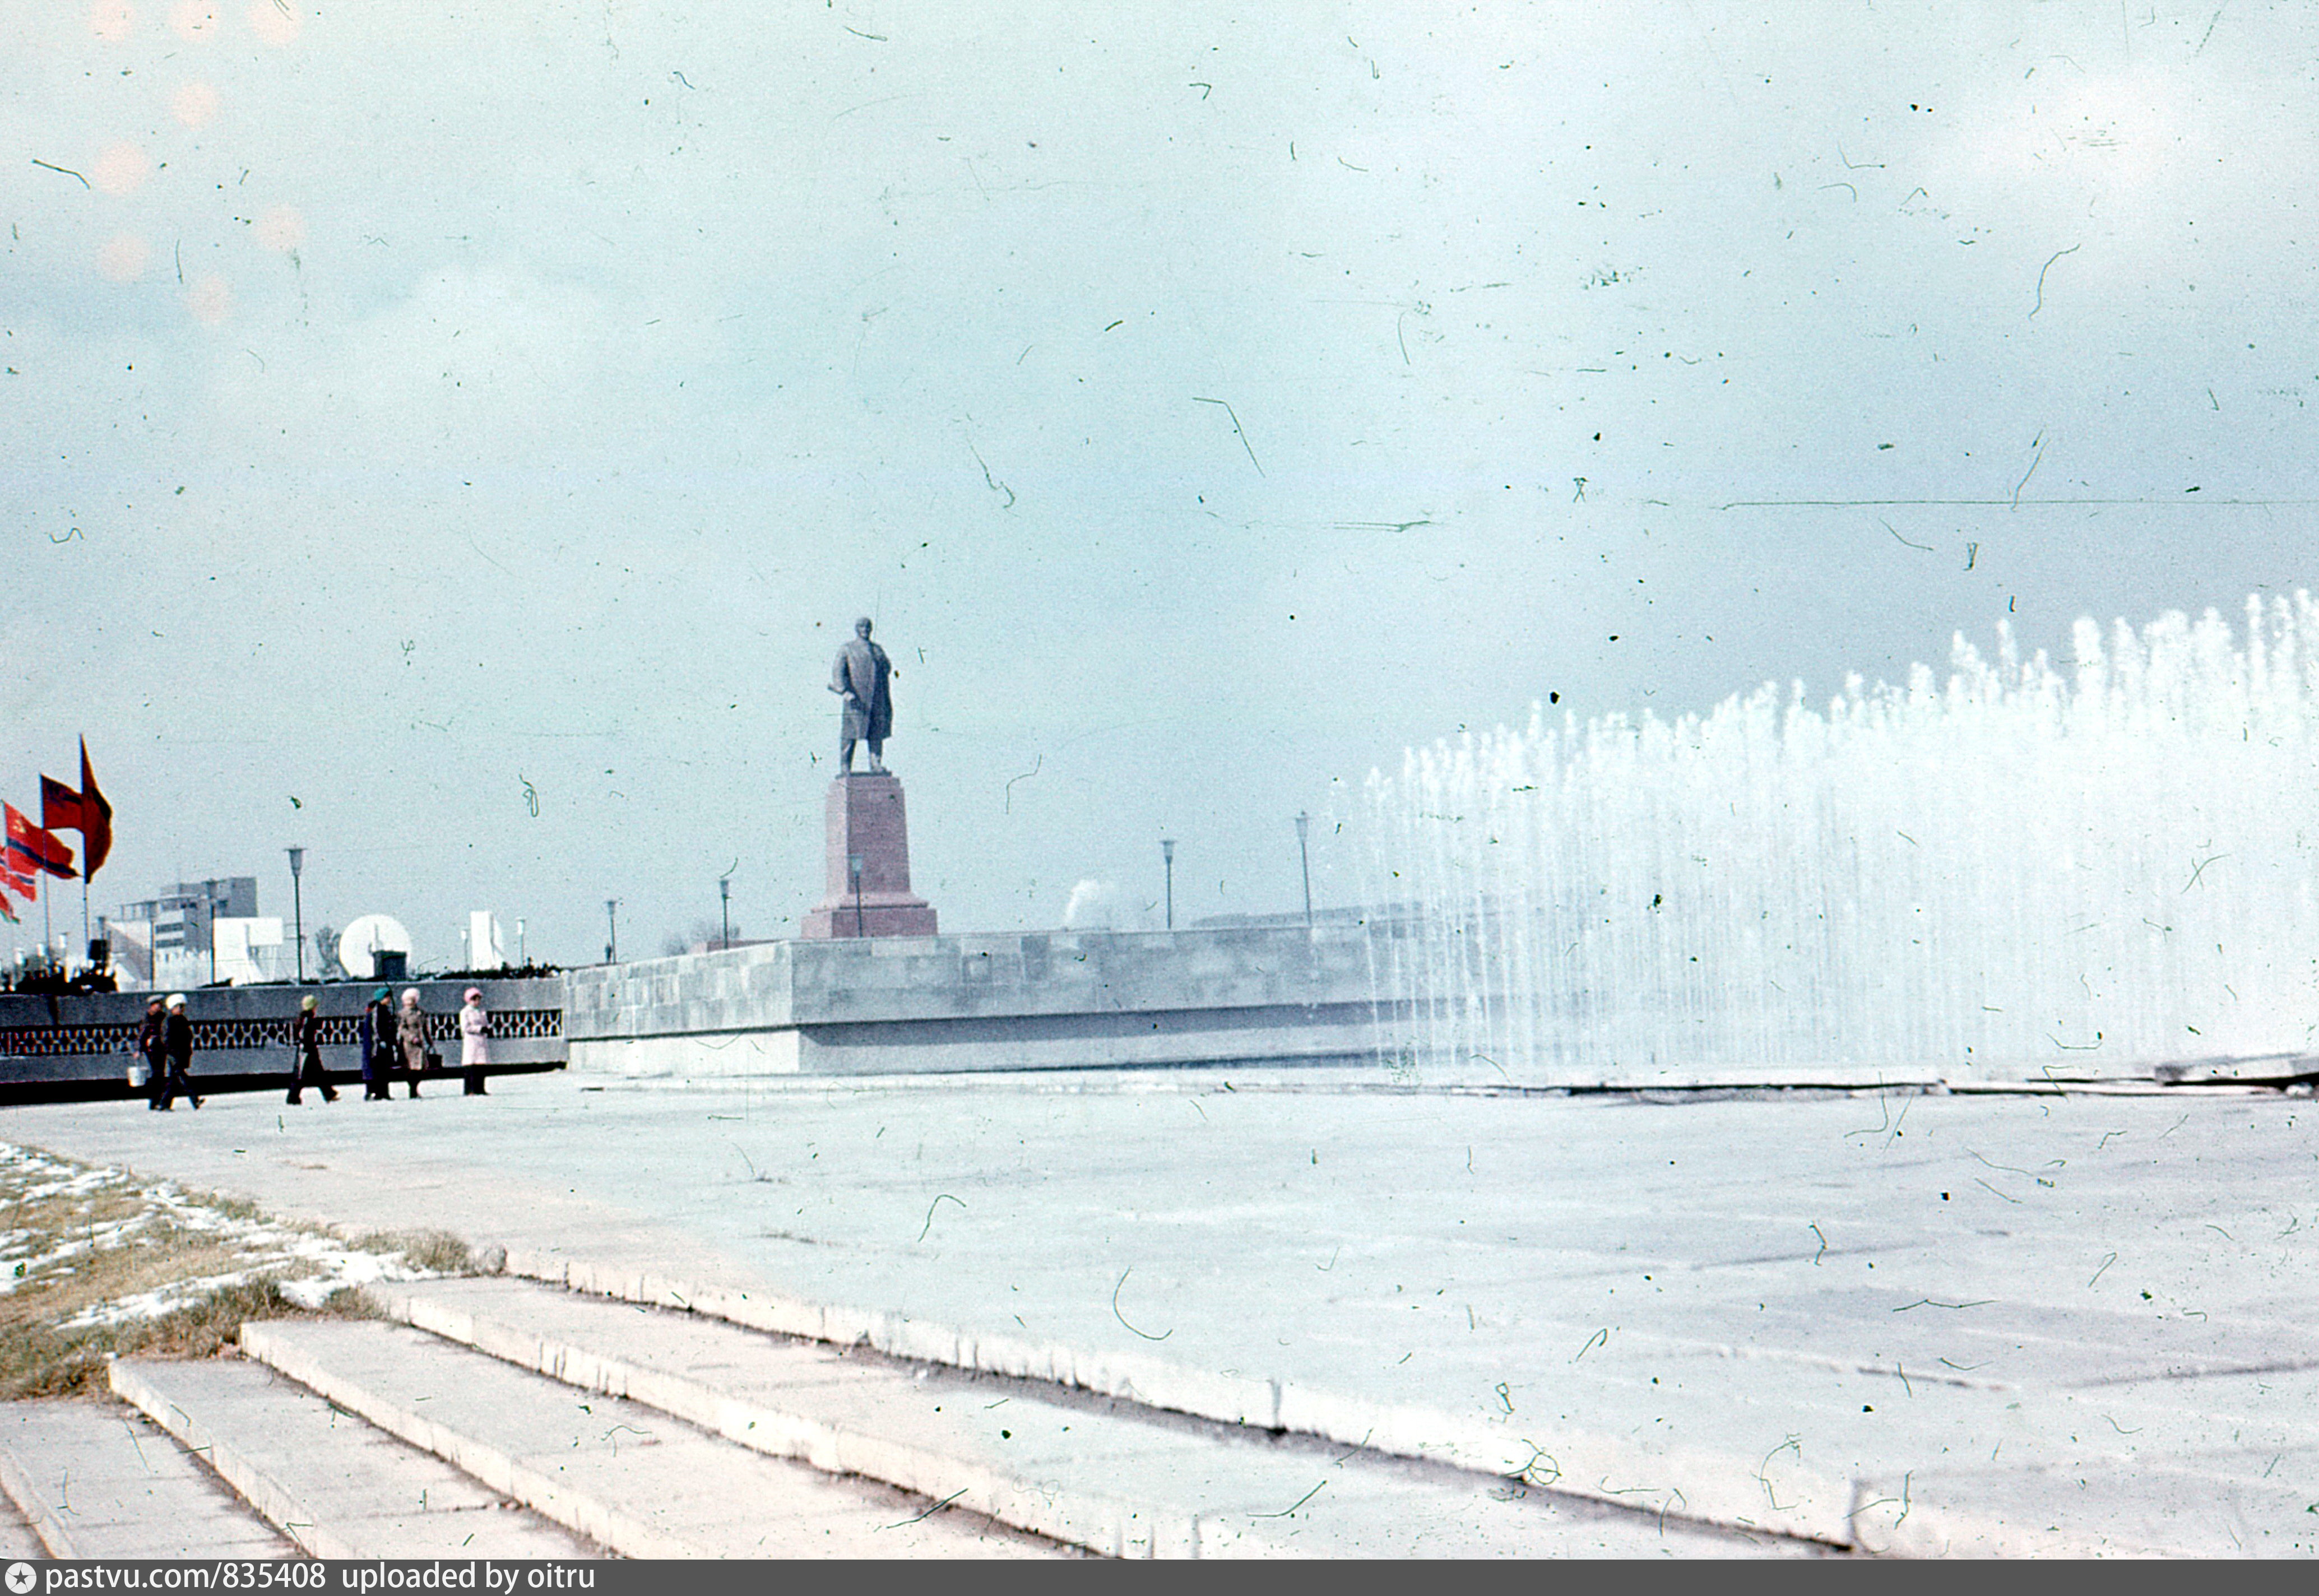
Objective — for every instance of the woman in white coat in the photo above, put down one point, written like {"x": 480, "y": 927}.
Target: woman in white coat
{"x": 475, "y": 1041}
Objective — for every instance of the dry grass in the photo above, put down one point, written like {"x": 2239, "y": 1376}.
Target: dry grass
{"x": 439, "y": 1252}
{"x": 95, "y": 1265}
{"x": 39, "y": 1360}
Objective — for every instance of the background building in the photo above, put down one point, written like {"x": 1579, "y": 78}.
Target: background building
{"x": 195, "y": 933}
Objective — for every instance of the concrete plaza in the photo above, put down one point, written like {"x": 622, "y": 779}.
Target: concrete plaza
{"x": 1971, "y": 1323}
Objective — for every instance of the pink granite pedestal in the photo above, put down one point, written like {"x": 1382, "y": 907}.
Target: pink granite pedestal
{"x": 866, "y": 820}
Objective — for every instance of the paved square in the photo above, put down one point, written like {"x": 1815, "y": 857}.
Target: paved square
{"x": 1972, "y": 1322}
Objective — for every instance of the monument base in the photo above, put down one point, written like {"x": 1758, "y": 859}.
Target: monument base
{"x": 875, "y": 919}
{"x": 868, "y": 864}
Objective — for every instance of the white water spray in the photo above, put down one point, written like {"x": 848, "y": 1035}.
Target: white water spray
{"x": 2015, "y": 873}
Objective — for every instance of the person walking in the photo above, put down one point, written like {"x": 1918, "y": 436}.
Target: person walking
{"x": 474, "y": 1044}
{"x": 178, "y": 1055}
{"x": 306, "y": 1037}
{"x": 379, "y": 1051}
{"x": 411, "y": 1032}
{"x": 153, "y": 1047}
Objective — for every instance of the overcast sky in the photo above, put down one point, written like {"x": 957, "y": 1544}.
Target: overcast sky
{"x": 413, "y": 416}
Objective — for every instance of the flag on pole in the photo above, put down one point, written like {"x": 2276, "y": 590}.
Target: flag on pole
{"x": 95, "y": 819}
{"x": 60, "y": 806}
{"x": 84, "y": 811}
{"x": 24, "y": 887}
{"x": 30, "y": 848}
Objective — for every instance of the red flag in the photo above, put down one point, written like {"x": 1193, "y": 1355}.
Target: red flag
{"x": 30, "y": 848}
{"x": 59, "y": 805}
{"x": 23, "y": 884}
{"x": 95, "y": 819}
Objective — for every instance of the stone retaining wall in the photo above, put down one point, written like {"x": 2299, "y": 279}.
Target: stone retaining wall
{"x": 1021, "y": 1001}
{"x": 242, "y": 1031}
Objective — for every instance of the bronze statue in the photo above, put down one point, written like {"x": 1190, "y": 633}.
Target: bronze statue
{"x": 859, "y": 679}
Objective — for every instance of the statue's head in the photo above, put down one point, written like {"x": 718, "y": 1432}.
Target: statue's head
{"x": 861, "y": 628}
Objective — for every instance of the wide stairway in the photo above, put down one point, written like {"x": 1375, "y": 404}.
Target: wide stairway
{"x": 498, "y": 1417}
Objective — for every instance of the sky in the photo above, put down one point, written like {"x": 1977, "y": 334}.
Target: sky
{"x": 454, "y": 440}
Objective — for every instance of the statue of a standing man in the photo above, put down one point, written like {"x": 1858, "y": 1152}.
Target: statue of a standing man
{"x": 859, "y": 679}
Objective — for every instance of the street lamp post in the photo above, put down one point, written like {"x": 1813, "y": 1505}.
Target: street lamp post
{"x": 854, "y": 865}
{"x": 1167, "y": 858}
{"x": 612, "y": 931}
{"x": 298, "y": 908}
{"x": 1304, "y": 859}
{"x": 209, "y": 918}
{"x": 725, "y": 912}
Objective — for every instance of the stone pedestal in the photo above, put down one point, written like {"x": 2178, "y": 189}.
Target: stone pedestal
{"x": 866, "y": 821}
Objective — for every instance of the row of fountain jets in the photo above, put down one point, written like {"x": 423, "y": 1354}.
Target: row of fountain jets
{"x": 2015, "y": 870}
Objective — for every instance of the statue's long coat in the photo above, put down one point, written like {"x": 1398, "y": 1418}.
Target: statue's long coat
{"x": 861, "y": 671}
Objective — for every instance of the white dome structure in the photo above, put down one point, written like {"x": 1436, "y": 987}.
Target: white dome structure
{"x": 369, "y": 935}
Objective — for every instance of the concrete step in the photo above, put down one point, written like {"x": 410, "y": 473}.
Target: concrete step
{"x": 1879, "y": 1463}
{"x": 18, "y": 1543}
{"x": 1797, "y": 1447}
{"x": 17, "y": 1536}
{"x": 332, "y": 1483}
{"x": 635, "y": 1479}
{"x": 1621, "y": 1459}
{"x": 1092, "y": 1471}
{"x": 100, "y": 1480}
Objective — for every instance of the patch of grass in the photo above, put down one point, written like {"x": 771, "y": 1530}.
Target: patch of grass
{"x": 68, "y": 1253}
{"x": 174, "y": 1273}
{"x": 439, "y": 1252}
{"x": 55, "y": 1294}
{"x": 38, "y": 1360}
{"x": 348, "y": 1302}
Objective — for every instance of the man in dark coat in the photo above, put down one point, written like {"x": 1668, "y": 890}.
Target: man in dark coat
{"x": 178, "y": 1051}
{"x": 389, "y": 1038}
{"x": 378, "y": 1045}
{"x": 306, "y": 1037}
{"x": 153, "y": 1047}
{"x": 859, "y": 679}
